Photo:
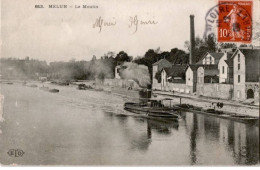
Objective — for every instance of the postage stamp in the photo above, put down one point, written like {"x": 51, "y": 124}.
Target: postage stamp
{"x": 230, "y": 21}
{"x": 235, "y": 21}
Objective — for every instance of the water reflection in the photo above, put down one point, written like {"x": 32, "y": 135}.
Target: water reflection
{"x": 240, "y": 139}
{"x": 193, "y": 138}
{"x": 162, "y": 126}
{"x": 158, "y": 126}
{"x": 230, "y": 138}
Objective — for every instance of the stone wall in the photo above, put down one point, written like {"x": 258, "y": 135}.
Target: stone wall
{"x": 157, "y": 86}
{"x": 121, "y": 83}
{"x": 222, "y": 91}
{"x": 178, "y": 87}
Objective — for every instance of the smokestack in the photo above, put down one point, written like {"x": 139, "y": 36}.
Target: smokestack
{"x": 192, "y": 40}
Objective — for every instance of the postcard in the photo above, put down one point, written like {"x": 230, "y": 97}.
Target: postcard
{"x": 129, "y": 83}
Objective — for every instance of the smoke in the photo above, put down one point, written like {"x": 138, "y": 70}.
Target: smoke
{"x": 138, "y": 73}
{"x": 103, "y": 69}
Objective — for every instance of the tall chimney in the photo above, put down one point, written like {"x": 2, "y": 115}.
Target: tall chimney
{"x": 192, "y": 40}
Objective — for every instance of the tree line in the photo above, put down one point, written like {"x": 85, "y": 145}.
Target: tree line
{"x": 101, "y": 68}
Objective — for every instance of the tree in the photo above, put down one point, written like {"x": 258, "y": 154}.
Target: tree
{"x": 123, "y": 57}
{"x": 202, "y": 46}
{"x": 94, "y": 58}
{"x": 211, "y": 44}
{"x": 101, "y": 76}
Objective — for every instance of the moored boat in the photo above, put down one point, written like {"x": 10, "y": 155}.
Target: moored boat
{"x": 217, "y": 113}
{"x": 54, "y": 90}
{"x": 152, "y": 108}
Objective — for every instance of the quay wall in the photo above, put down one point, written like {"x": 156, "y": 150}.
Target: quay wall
{"x": 222, "y": 91}
{"x": 178, "y": 87}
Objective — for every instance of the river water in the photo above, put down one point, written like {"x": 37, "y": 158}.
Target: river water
{"x": 76, "y": 127}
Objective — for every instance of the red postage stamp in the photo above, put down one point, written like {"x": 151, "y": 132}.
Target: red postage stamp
{"x": 235, "y": 21}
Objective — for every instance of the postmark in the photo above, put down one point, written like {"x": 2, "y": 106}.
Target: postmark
{"x": 230, "y": 21}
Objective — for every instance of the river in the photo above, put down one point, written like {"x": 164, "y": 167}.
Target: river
{"x": 75, "y": 127}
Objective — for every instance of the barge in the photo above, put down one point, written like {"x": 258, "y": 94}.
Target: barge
{"x": 217, "y": 113}
{"x": 152, "y": 108}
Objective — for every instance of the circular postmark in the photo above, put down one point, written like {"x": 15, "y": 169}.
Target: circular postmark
{"x": 230, "y": 21}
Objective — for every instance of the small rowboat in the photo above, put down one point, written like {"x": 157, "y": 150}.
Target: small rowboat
{"x": 217, "y": 113}
{"x": 153, "y": 108}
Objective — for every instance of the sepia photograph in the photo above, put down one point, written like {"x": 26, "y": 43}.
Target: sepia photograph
{"x": 129, "y": 83}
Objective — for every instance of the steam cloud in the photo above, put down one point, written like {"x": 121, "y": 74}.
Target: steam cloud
{"x": 138, "y": 73}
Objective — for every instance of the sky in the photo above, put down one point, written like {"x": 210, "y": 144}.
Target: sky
{"x": 65, "y": 34}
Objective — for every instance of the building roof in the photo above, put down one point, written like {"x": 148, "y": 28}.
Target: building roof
{"x": 194, "y": 67}
{"x": 210, "y": 70}
{"x": 216, "y": 56}
{"x": 175, "y": 70}
{"x": 248, "y": 52}
{"x": 252, "y": 61}
{"x": 229, "y": 60}
{"x": 162, "y": 61}
{"x": 251, "y": 53}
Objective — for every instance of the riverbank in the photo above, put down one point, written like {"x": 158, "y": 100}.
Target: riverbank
{"x": 133, "y": 95}
{"x": 228, "y": 106}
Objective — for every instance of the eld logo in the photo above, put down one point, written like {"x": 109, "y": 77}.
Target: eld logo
{"x": 15, "y": 152}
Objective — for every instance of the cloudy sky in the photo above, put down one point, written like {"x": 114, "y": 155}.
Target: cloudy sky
{"x": 63, "y": 34}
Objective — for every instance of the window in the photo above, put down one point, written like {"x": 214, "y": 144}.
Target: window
{"x": 238, "y": 67}
{"x": 223, "y": 69}
{"x": 238, "y": 57}
{"x": 210, "y": 60}
{"x": 238, "y": 80}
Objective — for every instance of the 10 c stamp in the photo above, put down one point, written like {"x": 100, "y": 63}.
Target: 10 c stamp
{"x": 231, "y": 21}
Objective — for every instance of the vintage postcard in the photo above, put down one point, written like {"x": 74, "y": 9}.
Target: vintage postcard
{"x": 129, "y": 83}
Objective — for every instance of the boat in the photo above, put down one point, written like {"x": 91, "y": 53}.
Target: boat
{"x": 82, "y": 87}
{"x": 218, "y": 113}
{"x": 54, "y": 90}
{"x": 152, "y": 108}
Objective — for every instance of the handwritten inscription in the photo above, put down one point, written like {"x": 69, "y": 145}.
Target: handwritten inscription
{"x": 100, "y": 23}
{"x": 135, "y": 22}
